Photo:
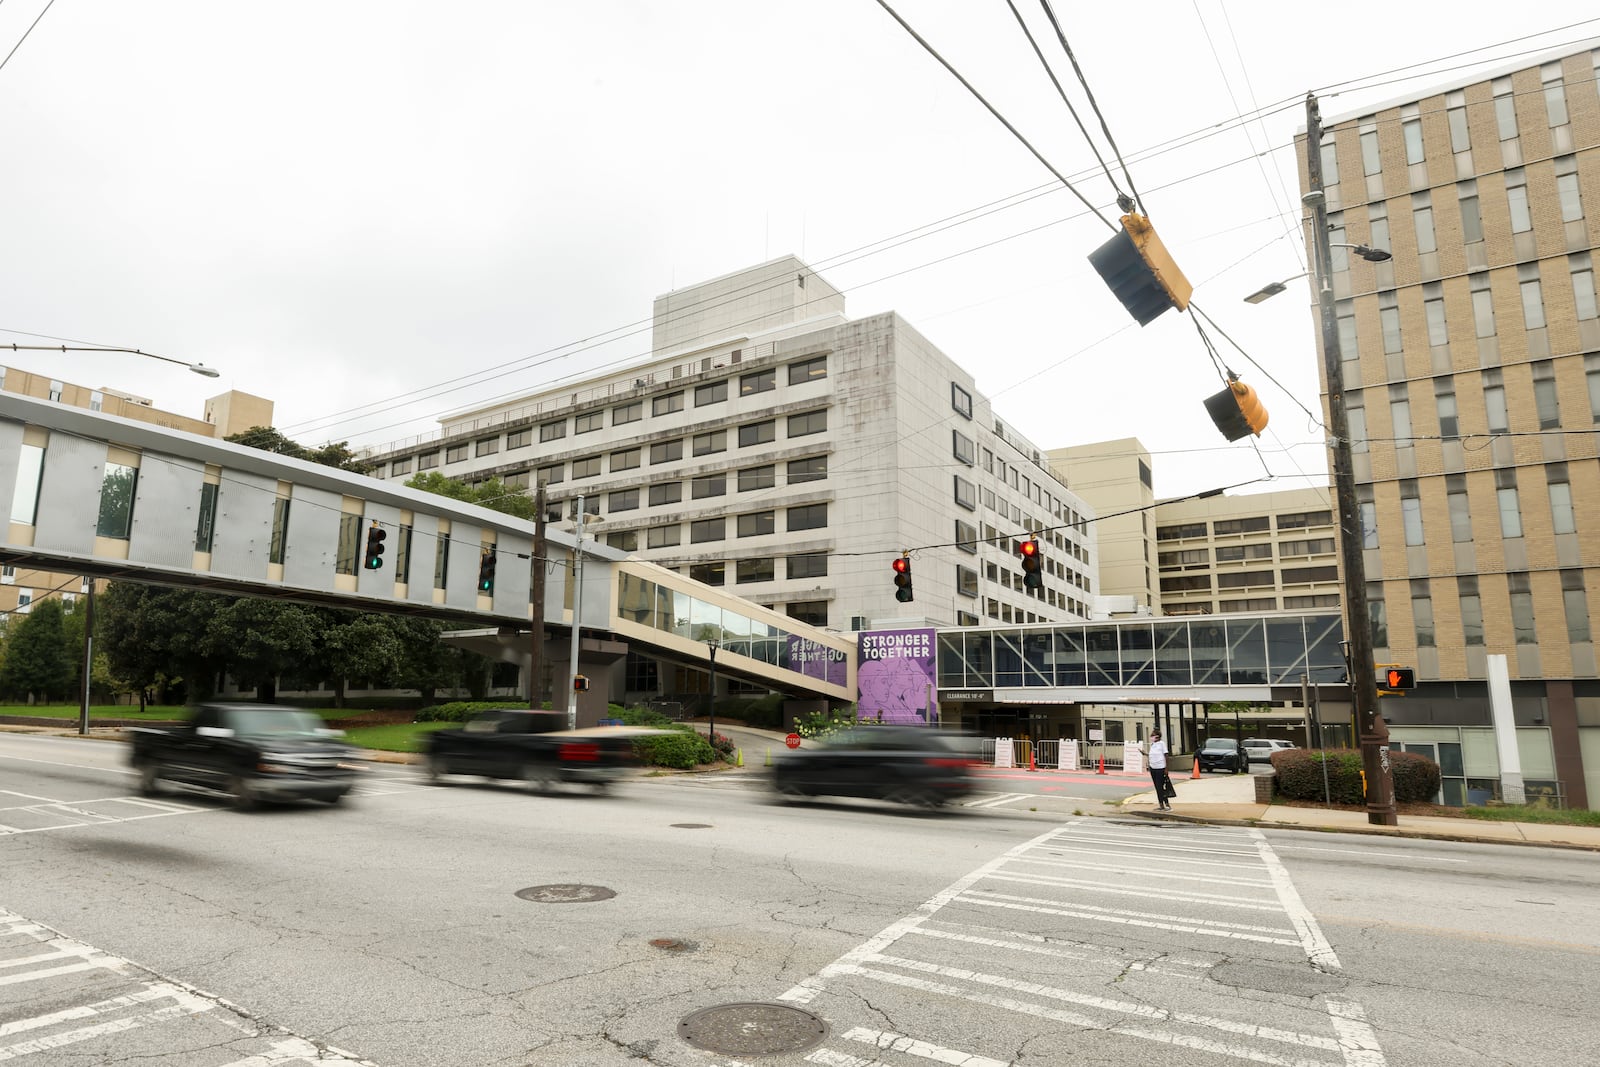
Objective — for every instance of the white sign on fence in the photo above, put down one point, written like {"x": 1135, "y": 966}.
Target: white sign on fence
{"x": 1069, "y": 755}
{"x": 1132, "y": 758}
{"x": 1002, "y": 752}
{"x": 1097, "y": 735}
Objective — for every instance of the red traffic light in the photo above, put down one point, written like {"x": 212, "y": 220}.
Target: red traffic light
{"x": 1029, "y": 548}
{"x": 901, "y": 565}
{"x": 902, "y": 579}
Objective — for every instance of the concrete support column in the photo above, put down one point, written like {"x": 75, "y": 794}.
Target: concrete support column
{"x": 1563, "y": 711}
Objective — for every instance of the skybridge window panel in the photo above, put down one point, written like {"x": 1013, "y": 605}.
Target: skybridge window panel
{"x": 664, "y": 604}
{"x": 1101, "y": 656}
{"x": 1208, "y": 653}
{"x": 116, "y": 501}
{"x": 1138, "y": 655}
{"x": 1247, "y": 652}
{"x": 636, "y": 599}
{"x": 1038, "y": 658}
{"x": 1008, "y": 657}
{"x": 1172, "y": 654}
{"x": 1286, "y": 650}
{"x": 682, "y": 614}
{"x": 1324, "y": 647}
{"x": 979, "y": 658}
{"x": 1071, "y": 664}
{"x": 952, "y": 662}
{"x": 705, "y": 621}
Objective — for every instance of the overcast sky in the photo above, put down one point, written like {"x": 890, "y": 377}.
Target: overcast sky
{"x": 342, "y": 202}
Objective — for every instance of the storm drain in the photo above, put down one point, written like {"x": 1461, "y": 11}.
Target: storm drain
{"x": 691, "y": 826}
{"x": 566, "y": 893}
{"x": 752, "y": 1029}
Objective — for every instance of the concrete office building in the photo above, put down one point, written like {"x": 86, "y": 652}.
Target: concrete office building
{"x": 1471, "y": 371}
{"x": 773, "y": 445}
{"x": 225, "y": 414}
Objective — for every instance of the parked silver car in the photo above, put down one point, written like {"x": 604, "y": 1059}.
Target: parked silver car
{"x": 1260, "y": 749}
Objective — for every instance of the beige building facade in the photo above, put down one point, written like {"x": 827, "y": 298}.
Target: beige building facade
{"x": 1471, "y": 373}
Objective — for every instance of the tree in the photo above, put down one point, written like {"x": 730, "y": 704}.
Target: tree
{"x": 361, "y": 646}
{"x": 493, "y": 494}
{"x": 154, "y": 638}
{"x": 261, "y": 639}
{"x": 37, "y": 662}
{"x": 332, "y": 454}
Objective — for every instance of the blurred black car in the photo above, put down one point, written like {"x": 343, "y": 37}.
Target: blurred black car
{"x": 1223, "y": 754}
{"x": 908, "y": 764}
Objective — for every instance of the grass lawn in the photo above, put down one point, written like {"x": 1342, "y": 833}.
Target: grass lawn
{"x": 1535, "y": 813}
{"x": 402, "y": 737}
{"x": 152, "y": 712}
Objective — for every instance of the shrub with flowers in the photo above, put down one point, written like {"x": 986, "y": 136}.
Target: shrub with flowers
{"x": 822, "y": 723}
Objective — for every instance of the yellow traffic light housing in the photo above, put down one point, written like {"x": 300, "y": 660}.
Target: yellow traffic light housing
{"x": 1237, "y": 411}
{"x": 1140, "y": 271}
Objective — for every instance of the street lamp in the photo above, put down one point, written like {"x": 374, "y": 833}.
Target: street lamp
{"x": 1374, "y": 738}
{"x": 199, "y": 368}
{"x": 711, "y": 703}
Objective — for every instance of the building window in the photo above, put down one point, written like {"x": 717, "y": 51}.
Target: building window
{"x": 1235, "y": 553}
{"x": 427, "y": 461}
{"x": 587, "y": 467}
{"x": 1545, "y": 401}
{"x": 758, "y": 524}
{"x": 966, "y": 537}
{"x": 1555, "y": 94}
{"x": 1245, "y": 579}
{"x": 1371, "y": 161}
{"x": 960, "y": 401}
{"x": 1567, "y": 190}
{"x": 666, "y": 493}
{"x": 754, "y": 570}
{"x": 810, "y": 612}
{"x": 1455, "y": 486}
{"x": 1517, "y": 198}
{"x": 710, "y": 573}
{"x": 625, "y": 413}
{"x": 966, "y": 494}
{"x": 807, "y": 423}
{"x": 56, "y": 389}
{"x": 552, "y": 475}
{"x": 1583, "y": 292}
{"x": 706, "y": 444}
{"x": 1591, "y": 373}
{"x": 707, "y": 530}
{"x": 1316, "y": 600}
{"x": 116, "y": 501}
{"x": 760, "y": 381}
{"x": 1411, "y": 513}
{"x": 1314, "y": 546}
{"x": 519, "y": 480}
{"x": 1330, "y": 161}
{"x": 1377, "y": 615}
{"x": 1253, "y": 524}
{"x": 1422, "y": 219}
{"x": 1433, "y": 313}
{"x": 752, "y": 478}
{"x": 1389, "y": 320}
{"x": 1471, "y": 217}
{"x": 810, "y": 469}
{"x": 280, "y": 529}
{"x": 553, "y": 431}
{"x": 1349, "y": 343}
{"x": 519, "y": 439}
{"x": 808, "y": 370}
{"x": 758, "y": 433}
{"x": 1471, "y": 610}
{"x": 205, "y": 528}
{"x": 1494, "y": 402}
{"x": 1532, "y": 296}
{"x": 1510, "y": 508}
{"x": 966, "y": 581}
{"x": 400, "y": 466}
{"x": 1180, "y": 533}
{"x": 666, "y": 405}
{"x": 1505, "y": 109}
{"x": 25, "y": 497}
{"x": 349, "y": 544}
{"x": 1444, "y": 402}
{"x": 808, "y": 565}
{"x": 625, "y": 459}
{"x": 455, "y": 454}
{"x": 97, "y": 400}
{"x": 1522, "y": 626}
{"x": 1422, "y": 613}
{"x": 963, "y": 448}
{"x": 488, "y": 446}
{"x": 1562, "y": 518}
{"x": 1400, "y": 415}
{"x": 1460, "y": 133}
{"x": 710, "y": 393}
{"x": 664, "y": 536}
{"x": 666, "y": 451}
{"x": 1576, "y": 603}
{"x": 1368, "y": 516}
{"x": 622, "y": 500}
{"x": 808, "y": 517}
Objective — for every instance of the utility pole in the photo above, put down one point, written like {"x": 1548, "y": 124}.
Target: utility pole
{"x": 88, "y": 657}
{"x": 1374, "y": 733}
{"x": 577, "y": 627}
{"x": 541, "y": 559}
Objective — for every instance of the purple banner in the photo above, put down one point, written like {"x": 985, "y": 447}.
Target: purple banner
{"x": 817, "y": 661}
{"x": 895, "y": 675}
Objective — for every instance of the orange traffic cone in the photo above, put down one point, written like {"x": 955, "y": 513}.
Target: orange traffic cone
{"x": 1031, "y": 767}
{"x": 1102, "y": 769}
{"x": 1196, "y": 773}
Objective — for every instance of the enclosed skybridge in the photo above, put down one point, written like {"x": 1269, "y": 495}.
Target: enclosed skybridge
{"x": 97, "y": 495}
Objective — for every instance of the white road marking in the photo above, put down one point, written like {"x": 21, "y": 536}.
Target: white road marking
{"x": 1152, "y": 872}
{"x": 152, "y": 991}
{"x": 1163, "y": 843}
{"x": 1119, "y": 915}
{"x": 1356, "y": 1038}
{"x": 887, "y": 1039}
{"x": 1187, "y": 862}
{"x": 1213, "y": 899}
{"x": 115, "y": 1026}
{"x": 1318, "y": 950}
{"x": 297, "y": 1048}
{"x": 996, "y": 801}
{"x": 829, "y": 1058}
{"x": 1395, "y": 854}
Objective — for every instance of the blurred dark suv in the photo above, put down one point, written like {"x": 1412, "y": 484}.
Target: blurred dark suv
{"x": 909, "y": 764}
{"x": 1222, "y": 754}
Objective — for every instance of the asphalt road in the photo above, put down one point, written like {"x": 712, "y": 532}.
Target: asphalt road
{"x": 182, "y": 933}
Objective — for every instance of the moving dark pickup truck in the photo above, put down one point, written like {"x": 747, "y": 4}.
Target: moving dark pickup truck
{"x": 255, "y": 752}
{"x": 533, "y": 747}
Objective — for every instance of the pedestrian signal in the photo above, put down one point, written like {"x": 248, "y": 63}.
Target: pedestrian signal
{"x": 1400, "y": 678}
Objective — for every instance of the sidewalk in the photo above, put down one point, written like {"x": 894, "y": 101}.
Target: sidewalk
{"x": 1230, "y": 800}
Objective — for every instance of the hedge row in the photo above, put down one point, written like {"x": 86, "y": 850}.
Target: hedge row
{"x": 1299, "y": 775}
{"x": 462, "y": 710}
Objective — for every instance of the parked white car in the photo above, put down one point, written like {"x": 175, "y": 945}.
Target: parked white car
{"x": 1260, "y": 749}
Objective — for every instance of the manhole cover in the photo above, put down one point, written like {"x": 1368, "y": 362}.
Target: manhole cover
{"x": 691, "y": 826}
{"x": 566, "y": 893}
{"x": 752, "y": 1029}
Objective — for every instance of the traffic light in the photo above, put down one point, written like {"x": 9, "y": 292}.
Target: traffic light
{"x": 486, "y": 563}
{"x": 375, "y": 536}
{"x": 902, "y": 579}
{"x": 1237, "y": 411}
{"x": 1400, "y": 678}
{"x": 1140, "y": 271}
{"x": 1032, "y": 562}
{"x": 580, "y": 683}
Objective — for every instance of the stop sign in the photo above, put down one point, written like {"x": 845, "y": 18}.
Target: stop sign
{"x": 793, "y": 740}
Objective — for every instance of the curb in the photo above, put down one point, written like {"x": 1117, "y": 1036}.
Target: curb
{"x": 1362, "y": 831}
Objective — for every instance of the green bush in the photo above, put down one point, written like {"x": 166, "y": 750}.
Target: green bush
{"x": 765, "y": 712}
{"x": 1416, "y": 777}
{"x": 682, "y": 748}
{"x": 642, "y": 717}
{"x": 1299, "y": 774}
{"x": 462, "y": 710}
